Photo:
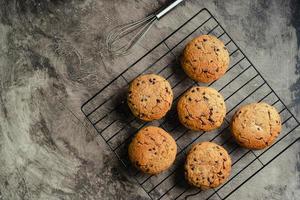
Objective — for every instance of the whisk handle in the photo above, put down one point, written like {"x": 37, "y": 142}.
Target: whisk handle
{"x": 168, "y": 9}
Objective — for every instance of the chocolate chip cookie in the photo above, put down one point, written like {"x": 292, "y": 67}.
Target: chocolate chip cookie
{"x": 256, "y": 125}
{"x": 149, "y": 97}
{"x": 207, "y": 165}
{"x": 201, "y": 108}
{"x": 152, "y": 150}
{"x": 205, "y": 59}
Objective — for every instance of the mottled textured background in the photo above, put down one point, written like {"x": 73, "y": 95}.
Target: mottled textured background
{"x": 52, "y": 59}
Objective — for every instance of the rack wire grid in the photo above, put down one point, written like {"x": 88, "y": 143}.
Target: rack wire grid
{"x": 107, "y": 111}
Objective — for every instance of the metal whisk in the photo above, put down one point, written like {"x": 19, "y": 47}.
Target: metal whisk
{"x": 138, "y": 29}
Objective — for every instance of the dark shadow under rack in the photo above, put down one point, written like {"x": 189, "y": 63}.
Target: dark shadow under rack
{"x": 110, "y": 116}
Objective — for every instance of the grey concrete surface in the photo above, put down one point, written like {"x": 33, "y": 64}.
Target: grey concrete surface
{"x": 52, "y": 59}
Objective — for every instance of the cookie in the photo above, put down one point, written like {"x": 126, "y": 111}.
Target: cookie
{"x": 207, "y": 165}
{"x": 256, "y": 125}
{"x": 152, "y": 150}
{"x": 205, "y": 59}
{"x": 150, "y": 97}
{"x": 201, "y": 108}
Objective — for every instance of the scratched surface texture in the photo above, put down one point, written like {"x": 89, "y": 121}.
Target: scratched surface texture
{"x": 52, "y": 59}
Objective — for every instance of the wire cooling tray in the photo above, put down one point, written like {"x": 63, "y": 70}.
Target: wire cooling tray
{"x": 108, "y": 112}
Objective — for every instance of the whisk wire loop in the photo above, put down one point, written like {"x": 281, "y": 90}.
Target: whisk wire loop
{"x": 118, "y": 44}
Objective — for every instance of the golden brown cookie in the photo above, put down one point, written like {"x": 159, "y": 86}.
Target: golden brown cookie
{"x": 201, "y": 108}
{"x": 150, "y": 97}
{"x": 152, "y": 150}
{"x": 207, "y": 165}
{"x": 205, "y": 59}
{"x": 256, "y": 125}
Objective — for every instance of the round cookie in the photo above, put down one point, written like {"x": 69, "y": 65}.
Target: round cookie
{"x": 256, "y": 125}
{"x": 205, "y": 59}
{"x": 150, "y": 97}
{"x": 201, "y": 108}
{"x": 152, "y": 150}
{"x": 207, "y": 165}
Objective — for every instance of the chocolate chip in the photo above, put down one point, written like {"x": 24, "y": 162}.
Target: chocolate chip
{"x": 194, "y": 68}
{"x": 167, "y": 90}
{"x": 193, "y": 91}
{"x": 211, "y": 61}
{"x": 157, "y": 100}
{"x": 199, "y": 47}
{"x": 195, "y": 159}
{"x": 130, "y": 92}
{"x": 194, "y": 60}
{"x": 186, "y": 117}
{"x": 203, "y": 93}
{"x": 211, "y": 120}
{"x": 197, "y": 89}
{"x": 204, "y": 40}
{"x": 217, "y": 70}
{"x": 190, "y": 99}
{"x": 137, "y": 84}
{"x": 267, "y": 143}
{"x": 218, "y": 49}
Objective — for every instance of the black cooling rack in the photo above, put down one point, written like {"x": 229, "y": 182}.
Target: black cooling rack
{"x": 108, "y": 113}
